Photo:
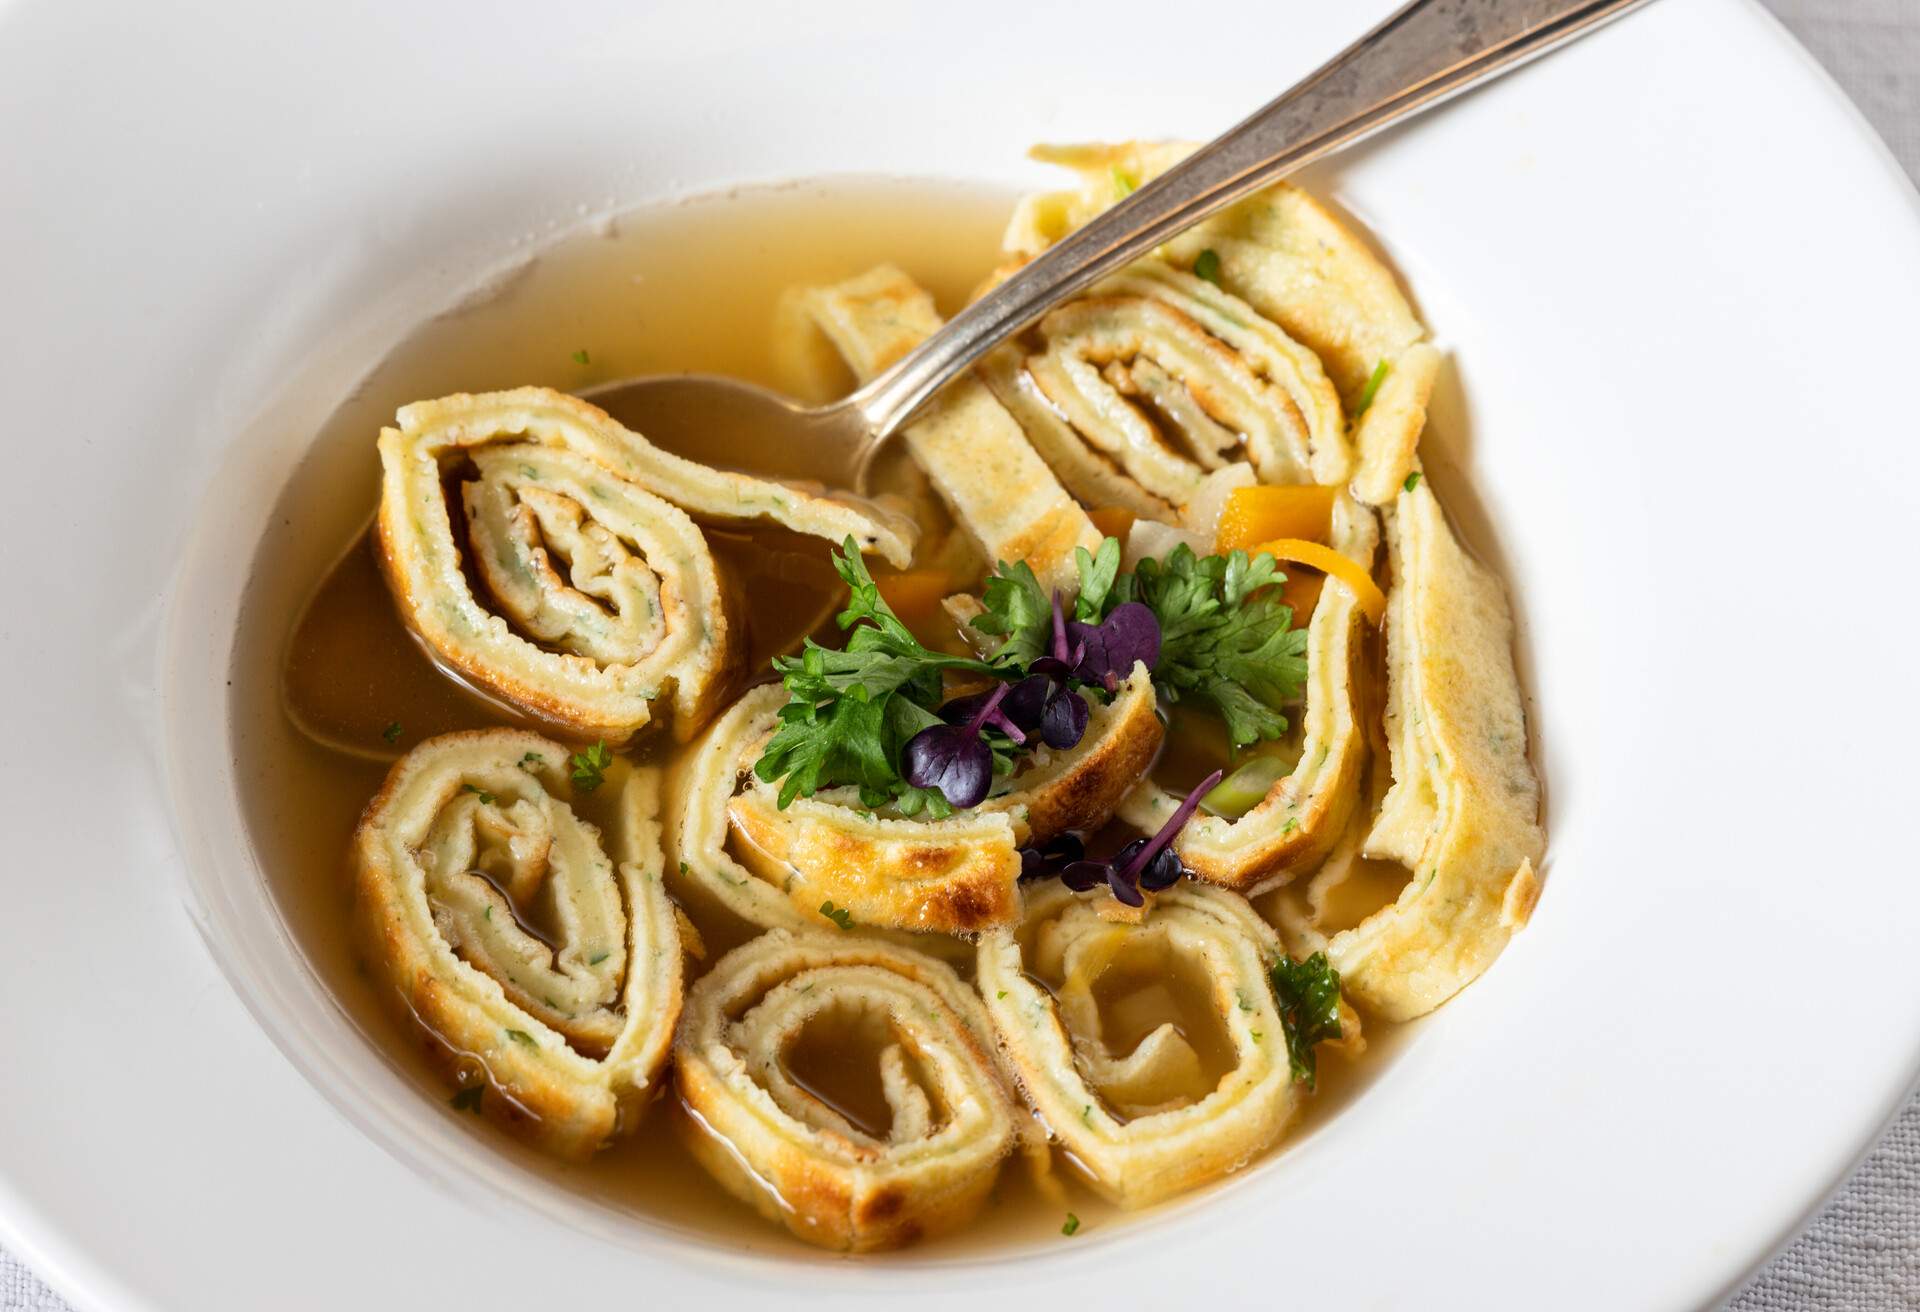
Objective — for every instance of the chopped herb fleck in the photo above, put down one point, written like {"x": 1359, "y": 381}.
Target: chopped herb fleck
{"x": 486, "y": 798}
{"x": 1124, "y": 182}
{"x": 589, "y": 767}
{"x": 580, "y": 356}
{"x": 1368, "y": 392}
{"x": 1207, "y": 265}
{"x": 1309, "y": 996}
{"x": 1001, "y": 994}
{"x": 532, "y": 759}
{"x": 468, "y": 1099}
{"x": 521, "y": 1036}
{"x": 1086, "y": 1114}
{"x": 838, "y": 915}
{"x": 1072, "y": 1225}
{"x": 392, "y": 732}
{"x": 1413, "y": 481}
{"x": 1292, "y": 824}
{"x": 597, "y": 958}
{"x": 683, "y": 868}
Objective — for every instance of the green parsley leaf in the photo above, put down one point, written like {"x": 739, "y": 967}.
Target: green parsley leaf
{"x": 849, "y": 713}
{"x": 1018, "y": 610}
{"x": 1367, "y": 393}
{"x": 1207, "y": 265}
{"x": 1001, "y": 994}
{"x": 1072, "y": 1225}
{"x": 486, "y": 798}
{"x": 1097, "y": 575}
{"x": 1309, "y": 996}
{"x": 392, "y": 732}
{"x": 597, "y": 958}
{"x": 531, "y": 759}
{"x": 1124, "y": 183}
{"x": 580, "y": 356}
{"x": 1227, "y": 641}
{"x": 838, "y": 915}
{"x": 1413, "y": 481}
{"x": 590, "y": 766}
{"x": 521, "y": 1036}
{"x": 468, "y": 1099}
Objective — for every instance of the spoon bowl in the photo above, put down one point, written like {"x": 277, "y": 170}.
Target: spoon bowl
{"x": 728, "y": 424}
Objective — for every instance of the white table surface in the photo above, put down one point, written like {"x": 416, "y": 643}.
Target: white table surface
{"x": 1861, "y": 1253}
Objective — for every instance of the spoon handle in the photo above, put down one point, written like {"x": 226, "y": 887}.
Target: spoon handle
{"x": 1427, "y": 51}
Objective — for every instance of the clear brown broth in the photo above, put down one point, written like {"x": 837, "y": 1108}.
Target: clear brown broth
{"x": 687, "y": 287}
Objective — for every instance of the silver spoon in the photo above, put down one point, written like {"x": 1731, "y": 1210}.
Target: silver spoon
{"x": 1428, "y": 51}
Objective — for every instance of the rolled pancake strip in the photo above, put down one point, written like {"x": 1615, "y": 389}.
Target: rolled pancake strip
{"x": 1304, "y": 813}
{"x": 1287, "y": 256}
{"x": 1463, "y": 811}
{"x": 980, "y": 461}
{"x": 1221, "y": 384}
{"x": 597, "y": 595}
{"x": 1073, "y": 1080}
{"x": 950, "y": 876}
{"x": 570, "y": 1034}
{"x": 775, "y": 1144}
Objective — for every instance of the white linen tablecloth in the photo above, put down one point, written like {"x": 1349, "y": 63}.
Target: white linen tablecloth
{"x": 1862, "y": 1253}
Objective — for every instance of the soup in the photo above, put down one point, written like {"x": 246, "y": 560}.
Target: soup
{"x": 852, "y": 954}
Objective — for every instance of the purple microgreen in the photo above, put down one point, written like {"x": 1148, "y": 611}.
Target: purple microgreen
{"x": 1145, "y": 865}
{"x": 954, "y": 758}
{"x": 1168, "y": 831}
{"x": 1125, "y": 892}
{"x": 984, "y": 709}
{"x": 1063, "y": 723}
{"x": 1083, "y": 875}
{"x": 1026, "y": 703}
{"x": 1130, "y": 633}
{"x": 1052, "y": 856}
{"x": 1160, "y": 871}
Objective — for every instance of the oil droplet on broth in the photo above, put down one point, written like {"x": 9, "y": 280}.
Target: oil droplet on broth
{"x": 689, "y": 287}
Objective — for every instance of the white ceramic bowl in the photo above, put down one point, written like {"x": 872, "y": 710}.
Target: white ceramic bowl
{"x": 1675, "y": 275}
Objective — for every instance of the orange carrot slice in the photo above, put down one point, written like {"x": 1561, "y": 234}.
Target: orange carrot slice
{"x": 1328, "y": 561}
{"x": 1302, "y": 592}
{"x": 1113, "y": 522}
{"x": 914, "y": 594}
{"x": 1261, "y": 514}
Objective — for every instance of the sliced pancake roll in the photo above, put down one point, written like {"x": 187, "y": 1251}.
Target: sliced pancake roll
{"x": 974, "y": 452}
{"x": 1286, "y": 255}
{"x": 540, "y": 957}
{"x": 1462, "y": 815}
{"x": 1136, "y": 393}
{"x": 845, "y": 1087}
{"x": 1154, "y": 1052}
{"x": 826, "y": 859}
{"x": 550, "y": 556}
{"x": 1306, "y": 806}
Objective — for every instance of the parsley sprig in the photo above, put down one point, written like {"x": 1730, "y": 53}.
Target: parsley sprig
{"x": 1309, "y": 996}
{"x": 589, "y": 767}
{"x": 1227, "y": 640}
{"x": 850, "y": 713}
